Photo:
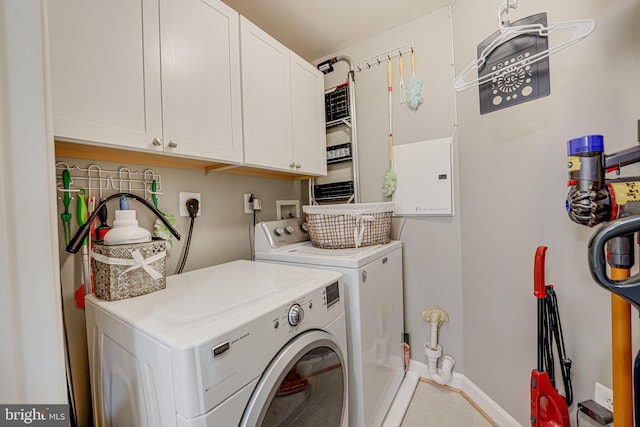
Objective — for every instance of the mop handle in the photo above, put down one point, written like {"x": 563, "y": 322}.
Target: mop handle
{"x": 390, "y": 83}
{"x": 413, "y": 63}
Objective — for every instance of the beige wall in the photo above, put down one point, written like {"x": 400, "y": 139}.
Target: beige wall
{"x": 432, "y": 274}
{"x": 513, "y": 186}
{"x": 510, "y": 171}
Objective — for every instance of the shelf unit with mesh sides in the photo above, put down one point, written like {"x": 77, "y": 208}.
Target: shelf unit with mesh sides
{"x": 341, "y": 183}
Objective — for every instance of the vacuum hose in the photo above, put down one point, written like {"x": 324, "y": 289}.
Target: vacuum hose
{"x": 628, "y": 288}
{"x": 83, "y": 231}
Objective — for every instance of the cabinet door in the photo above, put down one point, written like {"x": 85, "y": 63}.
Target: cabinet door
{"x": 105, "y": 71}
{"x": 266, "y": 97}
{"x": 308, "y": 117}
{"x": 201, "y": 79}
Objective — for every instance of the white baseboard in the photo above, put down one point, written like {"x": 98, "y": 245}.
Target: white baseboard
{"x": 480, "y": 398}
{"x": 400, "y": 403}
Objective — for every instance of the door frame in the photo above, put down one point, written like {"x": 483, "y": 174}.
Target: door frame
{"x": 32, "y": 365}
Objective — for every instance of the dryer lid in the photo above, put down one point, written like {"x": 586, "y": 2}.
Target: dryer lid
{"x": 204, "y": 303}
{"x": 346, "y": 258}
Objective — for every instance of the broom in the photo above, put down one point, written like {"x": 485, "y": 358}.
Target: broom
{"x": 390, "y": 179}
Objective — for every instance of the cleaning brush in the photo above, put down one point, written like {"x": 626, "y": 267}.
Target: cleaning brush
{"x": 414, "y": 86}
{"x": 389, "y": 182}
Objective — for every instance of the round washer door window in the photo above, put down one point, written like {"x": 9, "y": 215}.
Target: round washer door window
{"x": 304, "y": 386}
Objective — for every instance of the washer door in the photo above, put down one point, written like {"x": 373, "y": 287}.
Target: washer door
{"x": 305, "y": 385}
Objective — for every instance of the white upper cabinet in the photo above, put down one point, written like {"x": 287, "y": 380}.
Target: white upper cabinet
{"x": 283, "y": 106}
{"x": 146, "y": 75}
{"x": 105, "y": 71}
{"x": 308, "y": 116}
{"x": 266, "y": 94}
{"x": 201, "y": 98}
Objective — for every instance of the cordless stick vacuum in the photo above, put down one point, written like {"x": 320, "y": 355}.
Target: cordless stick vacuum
{"x": 593, "y": 200}
{"x": 548, "y": 407}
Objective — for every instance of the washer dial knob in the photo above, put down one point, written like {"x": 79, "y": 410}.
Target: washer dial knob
{"x": 278, "y": 231}
{"x": 289, "y": 229}
{"x": 296, "y": 314}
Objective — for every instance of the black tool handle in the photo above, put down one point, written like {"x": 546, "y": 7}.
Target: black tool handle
{"x": 629, "y": 288}
{"x": 102, "y": 215}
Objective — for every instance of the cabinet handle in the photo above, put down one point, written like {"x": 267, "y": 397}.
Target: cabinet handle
{"x": 157, "y": 142}
{"x": 172, "y": 144}
{"x": 298, "y": 165}
{"x": 292, "y": 165}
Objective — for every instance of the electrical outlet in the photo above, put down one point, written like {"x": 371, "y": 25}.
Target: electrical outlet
{"x": 248, "y": 207}
{"x": 183, "y": 203}
{"x": 604, "y": 396}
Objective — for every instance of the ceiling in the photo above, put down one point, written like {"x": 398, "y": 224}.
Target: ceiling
{"x": 314, "y": 29}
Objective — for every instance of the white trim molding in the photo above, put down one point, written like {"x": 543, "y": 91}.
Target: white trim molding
{"x": 29, "y": 266}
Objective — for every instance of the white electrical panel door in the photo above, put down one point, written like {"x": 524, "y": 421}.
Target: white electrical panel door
{"x": 425, "y": 180}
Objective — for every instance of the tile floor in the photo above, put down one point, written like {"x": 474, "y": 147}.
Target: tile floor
{"x": 437, "y": 406}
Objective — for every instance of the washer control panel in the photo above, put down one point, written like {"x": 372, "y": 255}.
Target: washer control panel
{"x": 276, "y": 234}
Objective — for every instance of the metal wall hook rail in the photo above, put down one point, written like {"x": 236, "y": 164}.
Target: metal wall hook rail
{"x": 99, "y": 171}
{"x": 150, "y": 191}
{"x": 385, "y": 56}
{"x": 66, "y": 190}
{"x": 94, "y": 178}
{"x": 121, "y": 178}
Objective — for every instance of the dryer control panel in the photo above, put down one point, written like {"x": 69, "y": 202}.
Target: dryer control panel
{"x": 239, "y": 355}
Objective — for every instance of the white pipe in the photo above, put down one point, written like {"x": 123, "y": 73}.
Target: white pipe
{"x": 443, "y": 375}
{"x": 434, "y": 335}
{"x": 433, "y": 351}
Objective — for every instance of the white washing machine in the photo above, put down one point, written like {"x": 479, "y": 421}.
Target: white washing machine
{"x": 374, "y": 307}
{"x": 237, "y": 344}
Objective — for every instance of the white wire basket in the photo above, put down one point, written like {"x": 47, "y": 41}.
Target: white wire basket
{"x": 349, "y": 225}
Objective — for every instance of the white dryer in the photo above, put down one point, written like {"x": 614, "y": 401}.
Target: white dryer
{"x": 237, "y": 344}
{"x": 374, "y": 307}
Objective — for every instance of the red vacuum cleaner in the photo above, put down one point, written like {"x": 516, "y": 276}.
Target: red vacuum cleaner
{"x": 548, "y": 407}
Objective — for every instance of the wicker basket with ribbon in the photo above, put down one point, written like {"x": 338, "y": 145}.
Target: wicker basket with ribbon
{"x": 349, "y": 225}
